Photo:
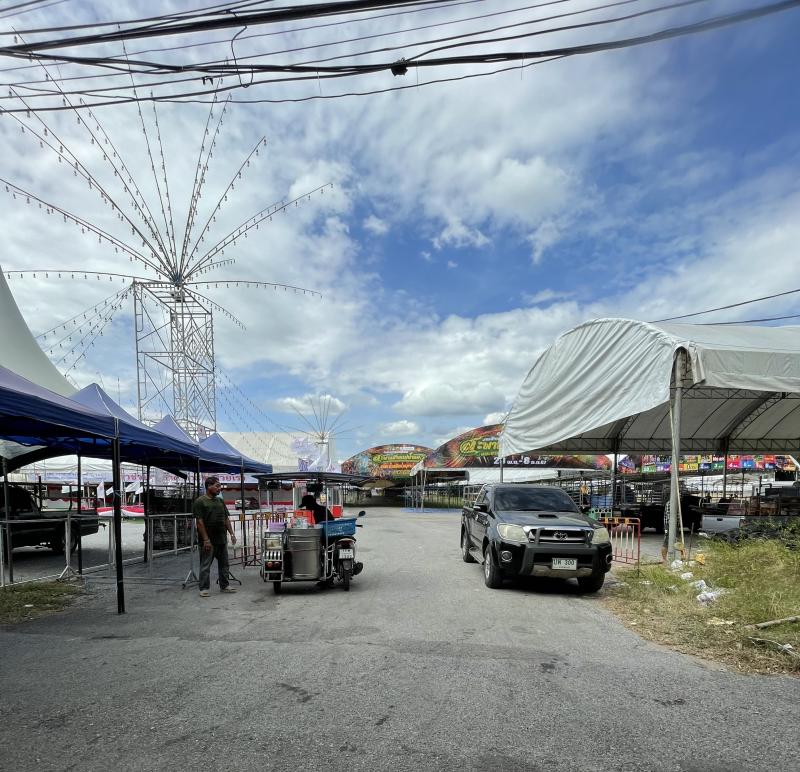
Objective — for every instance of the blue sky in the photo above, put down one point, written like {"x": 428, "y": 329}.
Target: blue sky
{"x": 472, "y": 223}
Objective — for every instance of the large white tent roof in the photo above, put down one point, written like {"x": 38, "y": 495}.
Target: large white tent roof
{"x": 19, "y": 351}
{"x": 605, "y": 387}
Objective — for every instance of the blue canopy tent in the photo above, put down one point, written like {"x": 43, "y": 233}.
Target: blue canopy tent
{"x": 218, "y": 445}
{"x": 211, "y": 459}
{"x": 34, "y": 417}
{"x": 138, "y": 443}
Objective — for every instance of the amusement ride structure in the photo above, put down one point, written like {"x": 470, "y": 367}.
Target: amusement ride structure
{"x": 173, "y": 319}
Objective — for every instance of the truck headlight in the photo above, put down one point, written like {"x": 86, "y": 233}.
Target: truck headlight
{"x": 601, "y": 536}
{"x": 511, "y": 532}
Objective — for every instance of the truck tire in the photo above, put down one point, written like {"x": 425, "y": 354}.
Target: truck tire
{"x": 591, "y": 583}
{"x": 491, "y": 573}
{"x": 57, "y": 544}
{"x": 466, "y": 556}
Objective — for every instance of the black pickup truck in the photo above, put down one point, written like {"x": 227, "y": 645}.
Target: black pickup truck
{"x": 29, "y": 526}
{"x": 533, "y": 530}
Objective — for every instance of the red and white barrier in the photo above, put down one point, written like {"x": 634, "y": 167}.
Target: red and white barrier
{"x": 626, "y": 538}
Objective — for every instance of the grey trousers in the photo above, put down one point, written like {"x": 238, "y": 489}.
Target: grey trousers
{"x": 220, "y": 552}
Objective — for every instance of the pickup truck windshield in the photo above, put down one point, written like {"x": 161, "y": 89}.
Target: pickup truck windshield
{"x": 534, "y": 499}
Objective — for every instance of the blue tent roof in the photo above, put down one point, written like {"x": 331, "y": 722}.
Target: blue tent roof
{"x": 220, "y": 446}
{"x": 33, "y": 415}
{"x": 139, "y": 442}
{"x": 210, "y": 460}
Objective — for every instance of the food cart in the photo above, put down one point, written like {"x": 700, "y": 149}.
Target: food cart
{"x": 295, "y": 548}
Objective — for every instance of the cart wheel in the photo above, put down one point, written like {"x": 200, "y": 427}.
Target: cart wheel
{"x": 346, "y": 580}
{"x": 276, "y": 587}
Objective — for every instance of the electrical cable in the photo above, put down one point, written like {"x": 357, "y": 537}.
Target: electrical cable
{"x": 402, "y": 66}
{"x": 730, "y": 305}
{"x": 252, "y": 18}
{"x": 479, "y": 17}
{"x": 751, "y": 321}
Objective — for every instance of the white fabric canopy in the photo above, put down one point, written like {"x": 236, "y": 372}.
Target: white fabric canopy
{"x": 19, "y": 351}
{"x": 605, "y": 387}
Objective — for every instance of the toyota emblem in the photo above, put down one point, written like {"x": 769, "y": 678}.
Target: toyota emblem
{"x": 560, "y": 535}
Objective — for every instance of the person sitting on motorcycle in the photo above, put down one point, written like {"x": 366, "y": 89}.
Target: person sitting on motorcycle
{"x": 320, "y": 512}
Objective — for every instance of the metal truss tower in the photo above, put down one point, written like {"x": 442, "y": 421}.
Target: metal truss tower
{"x": 182, "y": 349}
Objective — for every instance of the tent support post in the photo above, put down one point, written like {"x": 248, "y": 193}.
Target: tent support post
{"x": 148, "y": 540}
{"x": 614, "y": 476}
{"x": 501, "y": 469}
{"x": 80, "y": 515}
{"x": 679, "y": 372}
{"x": 725, "y": 473}
{"x": 116, "y": 471}
{"x": 3, "y": 528}
{"x": 244, "y": 514}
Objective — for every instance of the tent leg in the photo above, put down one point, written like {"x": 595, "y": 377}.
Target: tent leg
{"x": 725, "y": 474}
{"x": 80, "y": 515}
{"x": 3, "y": 527}
{"x": 613, "y": 481}
{"x": 117, "y": 473}
{"x": 675, "y": 423}
{"x": 501, "y": 470}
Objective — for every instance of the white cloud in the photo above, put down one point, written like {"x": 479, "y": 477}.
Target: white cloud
{"x": 310, "y": 404}
{"x": 457, "y": 234}
{"x": 452, "y": 264}
{"x": 426, "y": 256}
{"x": 544, "y": 296}
{"x": 495, "y": 418}
{"x": 400, "y": 428}
{"x": 544, "y": 237}
{"x": 376, "y": 226}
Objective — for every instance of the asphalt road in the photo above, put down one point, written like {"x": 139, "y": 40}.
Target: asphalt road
{"x": 418, "y": 667}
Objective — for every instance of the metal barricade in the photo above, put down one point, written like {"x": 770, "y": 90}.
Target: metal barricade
{"x": 626, "y": 538}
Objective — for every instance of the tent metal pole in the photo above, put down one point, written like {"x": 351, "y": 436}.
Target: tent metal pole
{"x": 244, "y": 513}
{"x": 501, "y": 469}
{"x": 148, "y": 552}
{"x": 117, "y": 475}
{"x": 725, "y": 473}
{"x": 5, "y": 525}
{"x": 679, "y": 371}
{"x": 614, "y": 477}
{"x": 80, "y": 515}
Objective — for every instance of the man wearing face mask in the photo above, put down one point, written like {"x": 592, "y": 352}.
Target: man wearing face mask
{"x": 213, "y": 525}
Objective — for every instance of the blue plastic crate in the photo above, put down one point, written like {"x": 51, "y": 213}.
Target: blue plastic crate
{"x": 344, "y": 526}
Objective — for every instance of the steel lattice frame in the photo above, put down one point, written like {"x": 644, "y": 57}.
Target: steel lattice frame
{"x": 185, "y": 352}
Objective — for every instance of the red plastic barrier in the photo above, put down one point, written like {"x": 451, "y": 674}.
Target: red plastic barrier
{"x": 626, "y": 538}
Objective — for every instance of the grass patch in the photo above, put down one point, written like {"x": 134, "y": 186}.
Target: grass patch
{"x": 28, "y": 601}
{"x": 762, "y": 582}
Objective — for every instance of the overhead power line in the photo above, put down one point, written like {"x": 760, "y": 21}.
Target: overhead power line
{"x": 293, "y": 73}
{"x": 730, "y": 305}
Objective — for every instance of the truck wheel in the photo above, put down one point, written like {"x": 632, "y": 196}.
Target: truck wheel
{"x": 466, "y": 556}
{"x": 57, "y": 544}
{"x": 491, "y": 573}
{"x": 591, "y": 583}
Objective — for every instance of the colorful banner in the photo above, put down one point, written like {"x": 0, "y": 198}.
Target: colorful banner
{"x": 707, "y": 463}
{"x": 479, "y": 448}
{"x": 386, "y": 461}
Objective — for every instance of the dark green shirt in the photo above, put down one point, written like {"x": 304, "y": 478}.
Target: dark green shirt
{"x": 213, "y": 513}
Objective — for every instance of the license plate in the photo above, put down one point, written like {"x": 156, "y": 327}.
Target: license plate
{"x": 346, "y": 554}
{"x": 565, "y": 564}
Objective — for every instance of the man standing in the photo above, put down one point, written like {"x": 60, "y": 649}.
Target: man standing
{"x": 212, "y": 524}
